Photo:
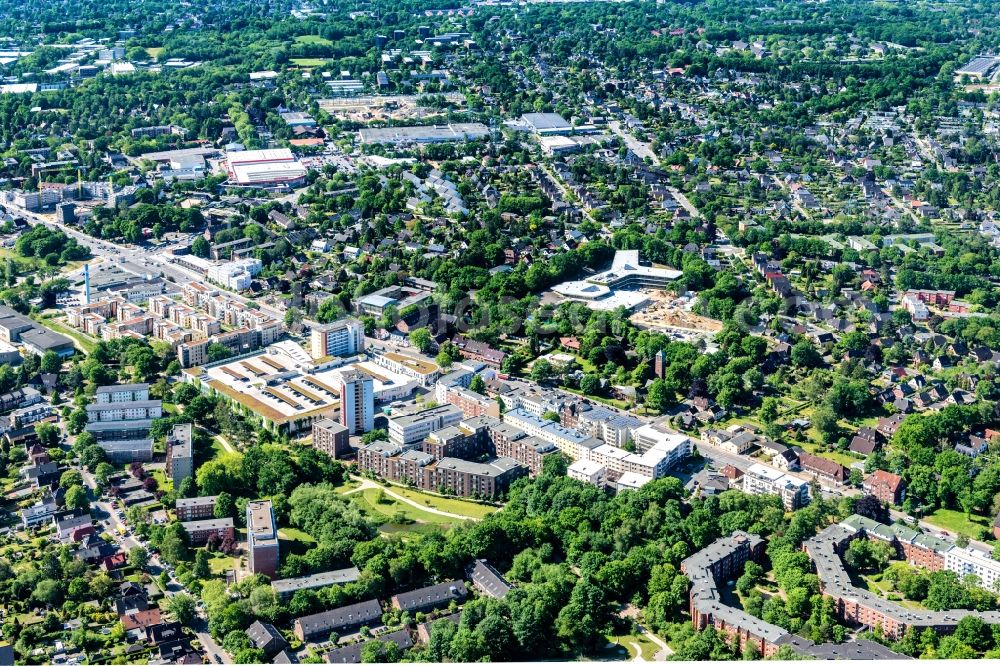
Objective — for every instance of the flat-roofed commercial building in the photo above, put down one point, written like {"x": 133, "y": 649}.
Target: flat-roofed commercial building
{"x": 284, "y": 390}
{"x": 423, "y": 370}
{"x": 265, "y": 167}
{"x": 616, "y": 286}
{"x": 547, "y": 124}
{"x": 424, "y": 134}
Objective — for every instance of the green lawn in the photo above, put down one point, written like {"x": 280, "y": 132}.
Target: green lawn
{"x": 309, "y": 62}
{"x": 586, "y": 365}
{"x": 217, "y": 448}
{"x": 388, "y": 509}
{"x": 347, "y": 486}
{"x": 624, "y": 648}
{"x": 161, "y": 479}
{"x": 313, "y": 39}
{"x": 957, "y": 522}
{"x": 293, "y": 534}
{"x": 647, "y": 648}
{"x": 620, "y": 404}
{"x": 816, "y": 449}
{"x": 154, "y": 51}
{"x": 413, "y": 530}
{"x": 449, "y": 504}
{"x": 615, "y": 650}
{"x": 884, "y": 590}
{"x": 220, "y": 564}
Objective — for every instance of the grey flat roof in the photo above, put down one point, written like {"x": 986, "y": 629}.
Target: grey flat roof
{"x": 338, "y": 577}
{"x": 101, "y": 426}
{"x": 495, "y": 467}
{"x": 453, "y": 132}
{"x": 329, "y": 424}
{"x": 432, "y": 595}
{"x": 546, "y": 121}
{"x": 114, "y": 388}
{"x": 111, "y": 406}
{"x": 427, "y": 414}
{"x": 209, "y": 524}
{"x": 196, "y": 501}
{"x": 42, "y": 338}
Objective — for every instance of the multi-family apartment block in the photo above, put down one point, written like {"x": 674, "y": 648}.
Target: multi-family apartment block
{"x": 461, "y": 477}
{"x": 195, "y": 508}
{"x": 411, "y": 429}
{"x": 262, "y": 538}
{"x": 331, "y": 437}
{"x": 180, "y": 453}
{"x": 340, "y": 338}
{"x": 120, "y": 419}
{"x": 762, "y": 480}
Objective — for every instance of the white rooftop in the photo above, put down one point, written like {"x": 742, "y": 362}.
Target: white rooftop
{"x": 584, "y": 467}
{"x": 632, "y": 481}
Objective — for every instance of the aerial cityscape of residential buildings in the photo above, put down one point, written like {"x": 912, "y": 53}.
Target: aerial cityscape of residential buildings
{"x": 486, "y": 331}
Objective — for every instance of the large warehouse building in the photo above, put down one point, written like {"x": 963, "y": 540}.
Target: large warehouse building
{"x": 265, "y": 168}
{"x": 424, "y": 133}
{"x": 286, "y": 390}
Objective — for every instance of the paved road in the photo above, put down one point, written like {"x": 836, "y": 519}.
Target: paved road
{"x": 721, "y": 458}
{"x": 566, "y": 197}
{"x": 683, "y": 201}
{"x": 641, "y": 148}
{"x": 131, "y": 258}
{"x": 644, "y": 149}
{"x": 105, "y": 514}
{"x": 138, "y": 259}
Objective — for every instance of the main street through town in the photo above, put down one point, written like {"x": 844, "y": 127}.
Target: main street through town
{"x": 142, "y": 261}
